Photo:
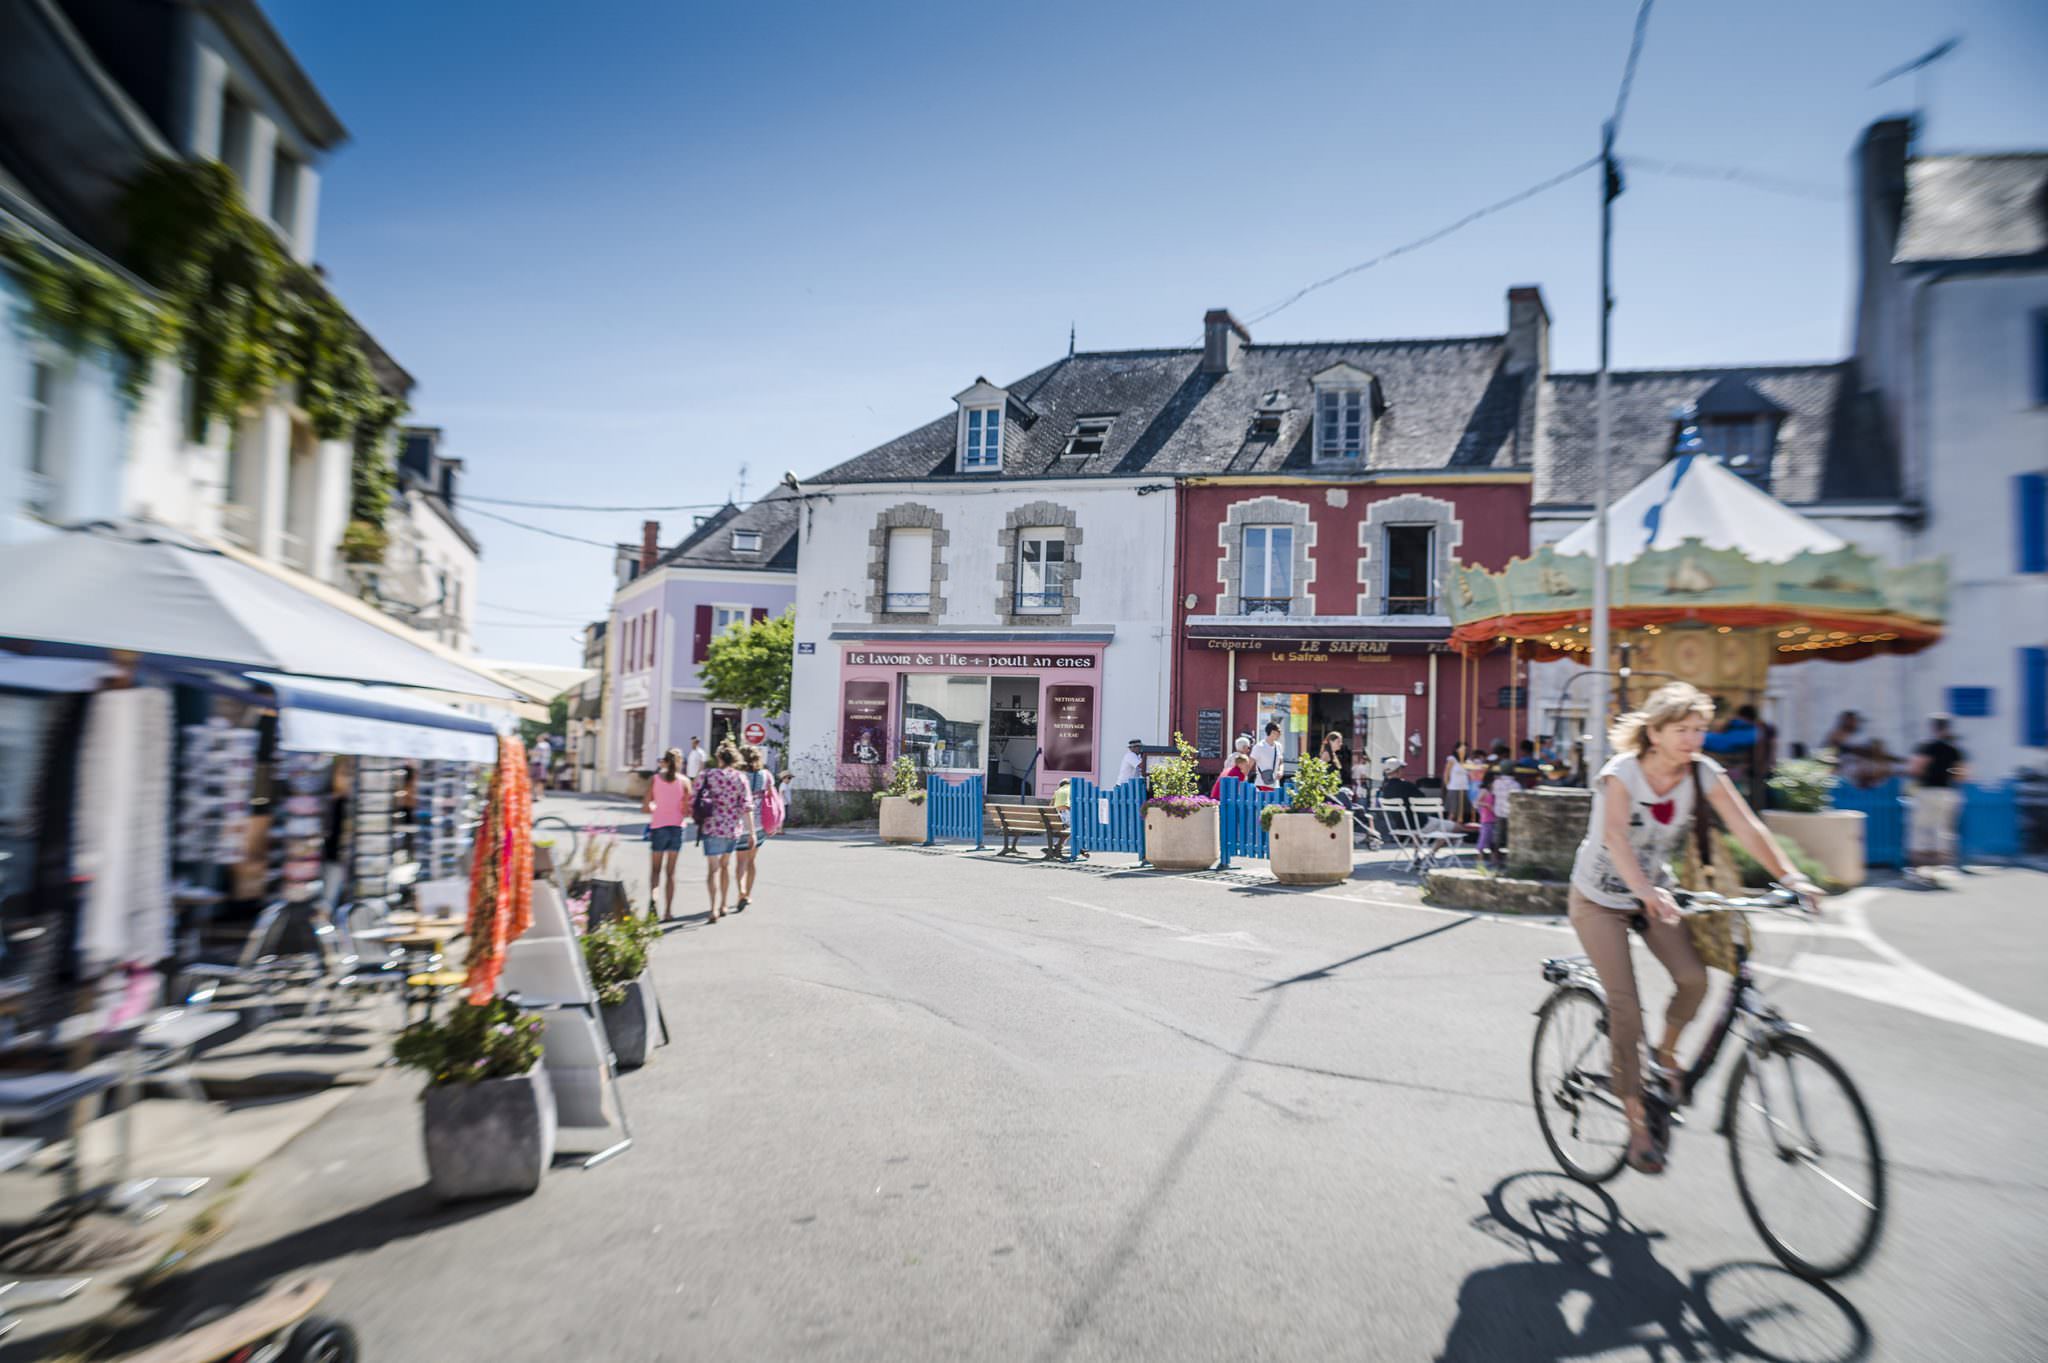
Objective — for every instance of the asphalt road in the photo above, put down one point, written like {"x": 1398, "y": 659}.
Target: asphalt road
{"x": 935, "y": 1106}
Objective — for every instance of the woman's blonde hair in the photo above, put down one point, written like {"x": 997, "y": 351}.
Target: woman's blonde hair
{"x": 672, "y": 764}
{"x": 752, "y": 758}
{"x": 1668, "y": 704}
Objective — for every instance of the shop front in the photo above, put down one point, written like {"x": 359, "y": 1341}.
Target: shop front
{"x": 1025, "y": 718}
{"x": 1385, "y": 691}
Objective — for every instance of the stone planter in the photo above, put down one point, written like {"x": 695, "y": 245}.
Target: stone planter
{"x": 631, "y": 1026}
{"x": 1183, "y": 842}
{"x": 493, "y": 1138}
{"x": 1834, "y": 838}
{"x": 902, "y": 819}
{"x": 1303, "y": 851}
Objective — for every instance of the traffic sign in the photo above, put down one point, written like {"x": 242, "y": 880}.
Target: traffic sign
{"x": 756, "y": 733}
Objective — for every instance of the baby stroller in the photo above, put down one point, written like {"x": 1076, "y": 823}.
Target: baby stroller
{"x": 1362, "y": 821}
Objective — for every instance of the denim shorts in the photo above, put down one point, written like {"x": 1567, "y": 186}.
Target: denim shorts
{"x": 715, "y": 846}
{"x": 668, "y": 839}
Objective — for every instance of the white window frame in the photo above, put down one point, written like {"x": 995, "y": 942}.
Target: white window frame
{"x": 42, "y": 462}
{"x": 978, "y": 425}
{"x": 724, "y": 615}
{"x": 1040, "y": 535}
{"x": 1434, "y": 597}
{"x": 906, "y": 565}
{"x": 1352, "y": 408}
{"x": 752, "y": 544}
{"x": 1096, "y": 428}
{"x": 1264, "y": 562}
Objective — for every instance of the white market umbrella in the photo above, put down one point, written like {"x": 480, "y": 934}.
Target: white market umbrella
{"x": 1694, "y": 497}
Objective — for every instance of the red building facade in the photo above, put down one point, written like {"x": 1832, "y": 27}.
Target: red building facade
{"x": 1316, "y": 603}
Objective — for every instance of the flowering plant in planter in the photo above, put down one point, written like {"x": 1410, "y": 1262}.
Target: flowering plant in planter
{"x": 1315, "y": 788}
{"x": 474, "y": 1042}
{"x": 903, "y": 781}
{"x": 616, "y": 955}
{"x": 1176, "y": 786}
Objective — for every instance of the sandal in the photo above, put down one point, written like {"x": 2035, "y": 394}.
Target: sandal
{"x": 741, "y": 907}
{"x": 1648, "y": 1157}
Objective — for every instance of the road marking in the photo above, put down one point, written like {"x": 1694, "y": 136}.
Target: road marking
{"x": 1914, "y": 988}
{"x": 1233, "y": 941}
{"x": 1119, "y": 913}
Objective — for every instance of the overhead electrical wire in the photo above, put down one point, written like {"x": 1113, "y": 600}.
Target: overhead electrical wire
{"x": 1734, "y": 175}
{"x": 539, "y": 529}
{"x": 584, "y": 506}
{"x": 1628, "y": 70}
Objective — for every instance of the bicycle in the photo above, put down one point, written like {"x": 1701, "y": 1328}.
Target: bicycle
{"x": 1774, "y": 1113}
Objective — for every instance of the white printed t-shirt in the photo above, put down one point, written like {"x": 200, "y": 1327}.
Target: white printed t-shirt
{"x": 1656, "y": 828}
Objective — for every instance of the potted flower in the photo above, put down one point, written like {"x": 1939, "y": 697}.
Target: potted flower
{"x": 1181, "y": 824}
{"x": 901, "y": 804}
{"x": 488, "y": 1114}
{"x": 1800, "y": 793}
{"x": 615, "y": 953}
{"x": 1308, "y": 842}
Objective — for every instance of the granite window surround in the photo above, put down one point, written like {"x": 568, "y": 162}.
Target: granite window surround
{"x": 905, "y": 516}
{"x": 1033, "y": 516}
{"x": 1413, "y": 508}
{"x": 1266, "y": 511}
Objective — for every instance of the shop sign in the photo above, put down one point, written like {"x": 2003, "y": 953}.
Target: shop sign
{"x": 864, "y": 723}
{"x": 1068, "y": 729}
{"x": 1324, "y": 650}
{"x": 992, "y": 662}
{"x": 1512, "y": 698}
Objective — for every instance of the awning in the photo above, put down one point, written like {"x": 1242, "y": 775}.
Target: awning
{"x": 19, "y": 673}
{"x": 374, "y": 721}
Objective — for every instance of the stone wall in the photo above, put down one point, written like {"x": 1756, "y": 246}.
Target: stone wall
{"x": 1545, "y": 827}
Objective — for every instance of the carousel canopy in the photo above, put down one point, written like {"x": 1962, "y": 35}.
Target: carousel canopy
{"x": 1695, "y": 498}
{"x": 1695, "y": 546}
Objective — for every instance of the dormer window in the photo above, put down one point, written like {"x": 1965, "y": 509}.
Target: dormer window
{"x": 1344, "y": 414}
{"x": 1088, "y": 437}
{"x": 980, "y": 446}
{"x": 1734, "y": 422}
{"x": 746, "y": 541}
{"x": 1271, "y": 411}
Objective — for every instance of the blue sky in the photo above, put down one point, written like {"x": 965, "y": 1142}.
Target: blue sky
{"x": 628, "y": 247}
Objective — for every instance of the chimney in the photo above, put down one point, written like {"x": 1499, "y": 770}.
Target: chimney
{"x": 1880, "y": 178}
{"x": 1528, "y": 331}
{"x": 1223, "y": 338}
{"x": 650, "y": 544}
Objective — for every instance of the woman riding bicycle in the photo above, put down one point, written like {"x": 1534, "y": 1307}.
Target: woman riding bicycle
{"x": 1644, "y": 802}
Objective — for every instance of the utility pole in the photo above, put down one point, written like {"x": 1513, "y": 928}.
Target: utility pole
{"x": 1610, "y": 189}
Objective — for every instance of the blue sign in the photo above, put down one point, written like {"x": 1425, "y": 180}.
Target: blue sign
{"x": 807, "y": 648}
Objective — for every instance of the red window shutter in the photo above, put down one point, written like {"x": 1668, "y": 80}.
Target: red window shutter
{"x": 703, "y": 633}
{"x": 760, "y": 613}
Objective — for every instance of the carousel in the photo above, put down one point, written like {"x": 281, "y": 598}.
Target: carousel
{"x": 1710, "y": 579}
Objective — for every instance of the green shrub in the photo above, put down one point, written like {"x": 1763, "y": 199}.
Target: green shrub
{"x": 1756, "y": 877}
{"x": 492, "y": 1040}
{"x": 1801, "y": 785}
{"x": 616, "y": 955}
{"x": 903, "y": 781}
{"x": 1176, "y": 775}
{"x": 1315, "y": 785}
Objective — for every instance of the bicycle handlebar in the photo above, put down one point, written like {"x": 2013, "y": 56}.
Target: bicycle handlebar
{"x": 1777, "y": 899}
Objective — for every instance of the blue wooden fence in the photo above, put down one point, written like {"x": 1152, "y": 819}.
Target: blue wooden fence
{"x": 1242, "y": 832}
{"x": 952, "y": 808}
{"x": 1123, "y": 828}
{"x": 1884, "y": 819}
{"x": 1989, "y": 824}
{"x": 1991, "y": 821}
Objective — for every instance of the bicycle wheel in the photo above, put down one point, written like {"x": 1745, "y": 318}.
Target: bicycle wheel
{"x": 1807, "y": 1162}
{"x": 555, "y": 828}
{"x": 1582, "y": 1121}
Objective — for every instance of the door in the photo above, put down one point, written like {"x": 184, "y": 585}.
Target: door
{"x": 725, "y": 725}
{"x": 1013, "y": 748}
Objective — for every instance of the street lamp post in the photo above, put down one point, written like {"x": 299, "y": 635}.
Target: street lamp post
{"x": 1610, "y": 187}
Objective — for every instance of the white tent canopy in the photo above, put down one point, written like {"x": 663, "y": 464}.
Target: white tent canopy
{"x": 1694, "y": 497}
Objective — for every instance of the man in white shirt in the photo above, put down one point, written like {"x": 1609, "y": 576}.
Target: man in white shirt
{"x": 1266, "y": 755}
{"x": 693, "y": 764}
{"x": 1133, "y": 766}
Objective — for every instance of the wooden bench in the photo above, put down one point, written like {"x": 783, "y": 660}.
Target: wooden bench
{"x": 1019, "y": 821}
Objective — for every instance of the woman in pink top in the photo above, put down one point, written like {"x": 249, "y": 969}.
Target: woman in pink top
{"x": 667, "y": 806}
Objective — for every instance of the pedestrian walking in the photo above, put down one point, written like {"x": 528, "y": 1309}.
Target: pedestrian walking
{"x": 697, "y": 760}
{"x": 1132, "y": 767}
{"x": 1937, "y": 771}
{"x": 722, "y": 819}
{"x": 668, "y": 797}
{"x": 1266, "y": 755}
{"x": 1491, "y": 852}
{"x": 764, "y": 802}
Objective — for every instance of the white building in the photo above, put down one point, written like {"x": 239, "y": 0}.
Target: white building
{"x": 1952, "y": 335}
{"x": 92, "y": 92}
{"x": 429, "y": 572}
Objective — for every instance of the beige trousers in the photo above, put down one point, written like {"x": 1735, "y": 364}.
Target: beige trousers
{"x": 1604, "y": 933}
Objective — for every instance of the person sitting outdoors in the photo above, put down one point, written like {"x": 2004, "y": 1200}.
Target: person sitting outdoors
{"x": 1238, "y": 768}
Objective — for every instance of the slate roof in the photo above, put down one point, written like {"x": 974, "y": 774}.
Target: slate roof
{"x": 1832, "y": 444}
{"x": 1962, "y": 208}
{"x": 709, "y": 545}
{"x": 1448, "y": 405}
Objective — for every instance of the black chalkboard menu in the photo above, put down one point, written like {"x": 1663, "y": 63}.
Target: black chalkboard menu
{"x": 1208, "y": 733}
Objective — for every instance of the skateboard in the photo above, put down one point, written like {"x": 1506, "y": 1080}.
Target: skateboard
{"x": 277, "y": 1326}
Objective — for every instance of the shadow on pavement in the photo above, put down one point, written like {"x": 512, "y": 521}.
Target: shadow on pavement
{"x": 1323, "y": 972}
{"x": 1589, "y": 1285}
